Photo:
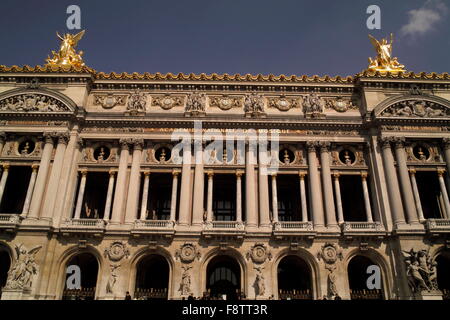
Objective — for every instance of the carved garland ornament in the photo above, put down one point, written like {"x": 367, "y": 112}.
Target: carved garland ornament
{"x": 117, "y": 251}
{"x": 187, "y": 253}
{"x": 168, "y": 101}
{"x": 259, "y": 253}
{"x": 109, "y": 101}
{"x": 283, "y": 104}
{"x": 32, "y": 102}
{"x": 225, "y": 102}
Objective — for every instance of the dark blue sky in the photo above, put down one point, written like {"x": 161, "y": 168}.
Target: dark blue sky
{"x": 229, "y": 36}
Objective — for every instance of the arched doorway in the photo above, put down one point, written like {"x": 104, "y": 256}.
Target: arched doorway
{"x": 5, "y": 264}
{"x": 223, "y": 278}
{"x": 294, "y": 279}
{"x": 88, "y": 267}
{"x": 358, "y": 275}
{"x": 152, "y": 278}
{"x": 443, "y": 273}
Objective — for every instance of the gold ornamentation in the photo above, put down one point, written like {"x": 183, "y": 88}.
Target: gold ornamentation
{"x": 384, "y": 62}
{"x": 67, "y": 56}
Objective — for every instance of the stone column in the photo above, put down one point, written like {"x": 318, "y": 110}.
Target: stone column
{"x": 446, "y": 147}
{"x": 405, "y": 183}
{"x": 199, "y": 179}
{"x": 395, "y": 200}
{"x": 250, "y": 190}
{"x": 185, "y": 194}
{"x": 327, "y": 184}
{"x": 26, "y": 205}
{"x": 2, "y": 141}
{"x": 80, "y": 194}
{"x": 173, "y": 201}
{"x": 274, "y": 198}
{"x": 412, "y": 174}
{"x": 41, "y": 179}
{"x": 107, "y": 212}
{"x": 55, "y": 174}
{"x": 143, "y": 215}
{"x": 366, "y": 197}
{"x": 315, "y": 194}
{"x": 3, "y": 180}
{"x": 135, "y": 179}
{"x": 303, "y": 196}
{"x": 440, "y": 173}
{"x": 263, "y": 187}
{"x": 119, "y": 195}
{"x": 337, "y": 191}
{"x": 209, "y": 211}
{"x": 239, "y": 196}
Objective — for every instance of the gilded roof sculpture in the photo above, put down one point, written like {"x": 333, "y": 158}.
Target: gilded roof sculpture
{"x": 67, "y": 55}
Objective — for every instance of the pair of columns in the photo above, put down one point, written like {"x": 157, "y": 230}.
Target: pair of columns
{"x": 337, "y": 190}
{"x": 209, "y": 211}
{"x": 145, "y": 191}
{"x": 304, "y": 205}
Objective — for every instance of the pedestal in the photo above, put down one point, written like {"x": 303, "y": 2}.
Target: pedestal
{"x": 429, "y": 295}
{"x": 16, "y": 294}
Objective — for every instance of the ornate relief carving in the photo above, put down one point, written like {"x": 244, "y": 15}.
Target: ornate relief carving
{"x": 340, "y": 104}
{"x": 185, "y": 285}
{"x": 20, "y": 276}
{"x": 260, "y": 285}
{"x": 195, "y": 104}
{"x": 167, "y": 101}
{"x": 313, "y": 106}
{"x": 421, "y": 271}
{"x": 330, "y": 254}
{"x": 117, "y": 251}
{"x": 137, "y": 102}
{"x": 283, "y": 103}
{"x": 259, "y": 253}
{"x": 109, "y": 101}
{"x": 100, "y": 153}
{"x": 187, "y": 253}
{"x": 32, "y": 102}
{"x": 416, "y": 109}
{"x": 225, "y": 102}
{"x": 254, "y": 105}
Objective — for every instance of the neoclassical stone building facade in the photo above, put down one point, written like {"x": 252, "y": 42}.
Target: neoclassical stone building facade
{"x": 90, "y": 178}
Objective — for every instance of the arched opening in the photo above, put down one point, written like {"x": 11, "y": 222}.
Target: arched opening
{"x": 5, "y": 264}
{"x": 358, "y": 278}
{"x": 443, "y": 273}
{"x": 223, "y": 278}
{"x": 152, "y": 278}
{"x": 88, "y": 273}
{"x": 294, "y": 279}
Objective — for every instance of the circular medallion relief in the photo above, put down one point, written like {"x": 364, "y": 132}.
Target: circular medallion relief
{"x": 187, "y": 253}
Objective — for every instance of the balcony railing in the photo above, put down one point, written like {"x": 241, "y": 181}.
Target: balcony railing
{"x": 153, "y": 227}
{"x": 293, "y": 228}
{"x": 10, "y": 222}
{"x": 152, "y": 293}
{"x": 95, "y": 226}
{"x": 294, "y": 295}
{"x": 438, "y": 225}
{"x": 232, "y": 228}
{"x": 79, "y": 294}
{"x": 365, "y": 294}
{"x": 363, "y": 228}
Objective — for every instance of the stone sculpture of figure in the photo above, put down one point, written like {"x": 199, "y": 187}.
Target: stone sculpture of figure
{"x": 421, "y": 271}
{"x": 101, "y": 154}
{"x": 137, "y": 102}
{"x": 87, "y": 210}
{"x": 196, "y": 103}
{"x": 313, "y": 105}
{"x": 286, "y": 157}
{"x": 253, "y": 103}
{"x": 260, "y": 284}
{"x": 112, "y": 279}
{"x": 185, "y": 286}
{"x": 162, "y": 157}
{"x": 421, "y": 154}
{"x": 347, "y": 158}
{"x": 25, "y": 149}
{"x": 332, "y": 283}
{"x": 21, "y": 274}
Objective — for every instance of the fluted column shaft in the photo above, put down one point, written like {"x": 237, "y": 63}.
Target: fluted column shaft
{"x": 109, "y": 195}
{"x": 327, "y": 184}
{"x": 304, "y": 204}
{"x": 41, "y": 179}
{"x": 366, "y": 197}
{"x": 26, "y": 205}
{"x": 337, "y": 191}
{"x": 80, "y": 194}
{"x": 405, "y": 183}
{"x": 239, "y": 196}
{"x": 315, "y": 194}
{"x": 173, "y": 201}
{"x": 185, "y": 194}
{"x": 3, "y": 180}
{"x": 145, "y": 190}
{"x": 441, "y": 173}
{"x": 263, "y": 187}
{"x": 199, "y": 179}
{"x": 2, "y": 141}
{"x": 274, "y": 198}
{"x": 209, "y": 211}
{"x": 250, "y": 190}
{"x": 395, "y": 200}
{"x": 135, "y": 179}
{"x": 412, "y": 173}
{"x": 119, "y": 195}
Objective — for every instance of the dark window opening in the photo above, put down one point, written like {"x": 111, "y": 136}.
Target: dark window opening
{"x": 15, "y": 189}
{"x": 357, "y": 277}
{"x": 88, "y": 271}
{"x": 5, "y": 264}
{"x": 288, "y": 196}
{"x": 294, "y": 279}
{"x": 352, "y": 197}
{"x": 443, "y": 273}
{"x": 223, "y": 278}
{"x": 224, "y": 196}
{"x": 94, "y": 199}
{"x": 152, "y": 278}
{"x": 430, "y": 195}
{"x": 160, "y": 196}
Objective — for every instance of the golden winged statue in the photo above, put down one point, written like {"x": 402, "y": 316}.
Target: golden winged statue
{"x": 67, "y": 56}
{"x": 384, "y": 61}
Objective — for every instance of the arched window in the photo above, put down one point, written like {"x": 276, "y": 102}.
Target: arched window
{"x": 223, "y": 278}
{"x": 88, "y": 265}
{"x": 5, "y": 264}
{"x": 294, "y": 279}
{"x": 443, "y": 273}
{"x": 152, "y": 278}
{"x": 358, "y": 276}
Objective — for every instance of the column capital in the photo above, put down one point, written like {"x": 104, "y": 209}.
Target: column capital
{"x": 48, "y": 137}
{"x": 440, "y": 172}
{"x": 311, "y": 145}
{"x": 412, "y": 171}
{"x": 125, "y": 143}
{"x": 364, "y": 175}
{"x": 175, "y": 173}
{"x": 35, "y": 167}
{"x": 239, "y": 173}
{"x": 302, "y": 174}
{"x": 385, "y": 142}
{"x": 336, "y": 174}
{"x": 399, "y": 142}
{"x": 324, "y": 146}
{"x": 210, "y": 173}
{"x": 274, "y": 175}
{"x": 63, "y": 137}
{"x": 146, "y": 173}
{"x": 80, "y": 142}
{"x": 6, "y": 166}
{"x": 84, "y": 172}
{"x": 112, "y": 172}
{"x": 138, "y": 143}
{"x": 446, "y": 143}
